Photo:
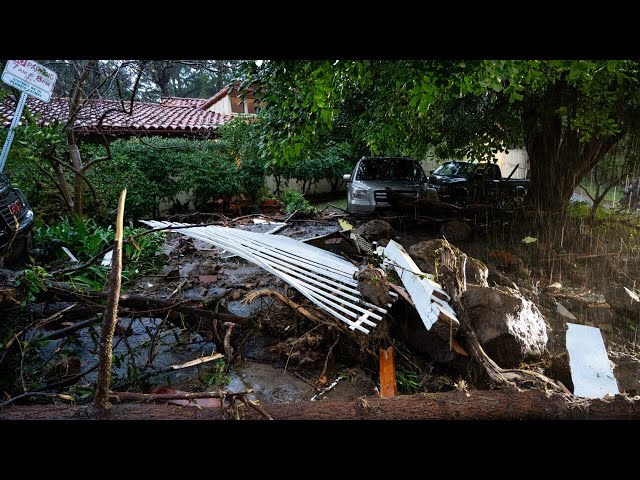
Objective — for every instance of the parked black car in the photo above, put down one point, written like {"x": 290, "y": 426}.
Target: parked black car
{"x": 15, "y": 243}
{"x": 466, "y": 182}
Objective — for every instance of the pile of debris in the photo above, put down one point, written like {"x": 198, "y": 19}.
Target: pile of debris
{"x": 461, "y": 315}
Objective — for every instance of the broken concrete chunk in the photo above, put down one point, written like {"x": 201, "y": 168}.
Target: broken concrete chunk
{"x": 623, "y": 301}
{"x": 590, "y": 367}
{"x": 426, "y": 255}
{"x": 509, "y": 327}
{"x": 376, "y": 231}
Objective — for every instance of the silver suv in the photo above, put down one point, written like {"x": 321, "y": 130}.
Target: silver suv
{"x": 366, "y": 185}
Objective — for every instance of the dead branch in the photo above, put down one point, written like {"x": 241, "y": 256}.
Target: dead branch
{"x": 266, "y": 292}
{"x": 228, "y": 348}
{"x": 257, "y": 408}
{"x": 110, "y": 320}
{"x": 154, "y": 397}
{"x": 60, "y": 396}
{"x": 326, "y": 360}
{"x": 198, "y": 317}
{"x": 63, "y": 332}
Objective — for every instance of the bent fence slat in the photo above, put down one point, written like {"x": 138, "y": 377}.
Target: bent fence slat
{"x": 323, "y": 277}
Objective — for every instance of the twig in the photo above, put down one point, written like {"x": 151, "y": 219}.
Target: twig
{"x": 228, "y": 348}
{"x": 257, "y": 408}
{"x": 250, "y": 298}
{"x": 152, "y": 397}
{"x": 61, "y": 396}
{"x": 197, "y": 361}
{"x": 70, "y": 329}
{"x": 178, "y": 288}
{"x": 326, "y": 360}
{"x": 325, "y": 390}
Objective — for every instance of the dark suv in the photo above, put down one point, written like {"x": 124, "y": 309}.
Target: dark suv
{"x": 15, "y": 243}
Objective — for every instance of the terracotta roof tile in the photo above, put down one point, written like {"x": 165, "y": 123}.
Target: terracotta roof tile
{"x": 176, "y": 115}
{"x": 182, "y": 102}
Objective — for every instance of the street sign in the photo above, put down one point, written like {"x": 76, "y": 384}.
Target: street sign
{"x": 33, "y": 79}
{"x": 30, "y": 77}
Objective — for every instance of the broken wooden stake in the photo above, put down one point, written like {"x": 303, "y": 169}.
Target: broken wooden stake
{"x": 110, "y": 320}
{"x": 388, "y": 386}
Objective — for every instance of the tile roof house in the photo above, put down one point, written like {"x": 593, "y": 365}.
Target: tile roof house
{"x": 172, "y": 116}
{"x": 228, "y": 101}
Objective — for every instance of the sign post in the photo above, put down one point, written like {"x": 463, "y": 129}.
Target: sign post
{"x": 32, "y": 79}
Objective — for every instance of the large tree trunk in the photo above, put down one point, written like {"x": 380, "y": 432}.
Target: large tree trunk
{"x": 455, "y": 405}
{"x": 557, "y": 157}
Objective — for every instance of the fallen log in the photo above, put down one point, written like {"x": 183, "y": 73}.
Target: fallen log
{"x": 506, "y": 404}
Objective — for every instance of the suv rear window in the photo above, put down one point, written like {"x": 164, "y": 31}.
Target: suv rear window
{"x": 388, "y": 169}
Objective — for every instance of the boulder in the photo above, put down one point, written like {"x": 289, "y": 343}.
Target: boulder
{"x": 509, "y": 327}
{"x": 376, "y": 231}
{"x": 426, "y": 254}
{"x": 623, "y": 300}
{"x": 373, "y": 285}
{"x": 456, "y": 231}
{"x": 499, "y": 279}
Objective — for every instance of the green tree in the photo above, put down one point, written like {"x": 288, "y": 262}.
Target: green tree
{"x": 61, "y": 157}
{"x": 568, "y": 114}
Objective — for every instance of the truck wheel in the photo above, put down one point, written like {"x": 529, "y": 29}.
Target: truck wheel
{"x": 456, "y": 231}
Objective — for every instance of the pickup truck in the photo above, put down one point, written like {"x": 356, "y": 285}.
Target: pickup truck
{"x": 464, "y": 183}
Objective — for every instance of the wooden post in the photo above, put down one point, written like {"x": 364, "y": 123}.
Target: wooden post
{"x": 101, "y": 400}
{"x": 388, "y": 386}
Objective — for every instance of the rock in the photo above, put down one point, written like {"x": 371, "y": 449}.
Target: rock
{"x": 207, "y": 280}
{"x": 456, "y": 231}
{"x": 173, "y": 274}
{"x": 497, "y": 278}
{"x": 627, "y": 373}
{"x": 236, "y": 294}
{"x": 410, "y": 329}
{"x": 373, "y": 285}
{"x": 426, "y": 254}
{"x": 376, "y": 231}
{"x": 623, "y": 300}
{"x": 509, "y": 327}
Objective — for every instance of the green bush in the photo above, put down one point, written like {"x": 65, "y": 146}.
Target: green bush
{"x": 327, "y": 164}
{"x": 86, "y": 239}
{"x": 156, "y": 170}
{"x": 293, "y": 201}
